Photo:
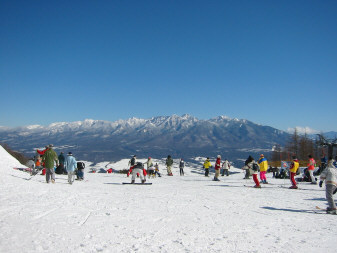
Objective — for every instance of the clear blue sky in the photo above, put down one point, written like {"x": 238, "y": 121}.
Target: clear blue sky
{"x": 271, "y": 62}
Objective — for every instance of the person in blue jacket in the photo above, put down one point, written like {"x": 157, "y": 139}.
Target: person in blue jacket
{"x": 70, "y": 165}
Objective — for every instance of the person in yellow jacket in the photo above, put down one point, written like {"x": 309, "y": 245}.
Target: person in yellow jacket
{"x": 293, "y": 169}
{"x": 263, "y": 163}
{"x": 207, "y": 165}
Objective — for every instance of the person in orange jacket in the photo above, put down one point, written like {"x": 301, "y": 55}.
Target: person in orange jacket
{"x": 311, "y": 168}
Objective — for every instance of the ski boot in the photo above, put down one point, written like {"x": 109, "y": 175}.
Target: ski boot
{"x": 132, "y": 181}
{"x": 331, "y": 211}
{"x": 293, "y": 187}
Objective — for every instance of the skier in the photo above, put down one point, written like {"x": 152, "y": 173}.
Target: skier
{"x": 225, "y": 168}
{"x": 181, "y": 167}
{"x": 217, "y": 168}
{"x": 138, "y": 169}
{"x": 70, "y": 165}
{"x": 311, "y": 168}
{"x": 207, "y": 165}
{"x": 169, "y": 163}
{"x": 330, "y": 177}
{"x": 49, "y": 158}
{"x": 263, "y": 163}
{"x": 293, "y": 169}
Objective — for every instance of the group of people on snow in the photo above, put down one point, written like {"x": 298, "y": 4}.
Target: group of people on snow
{"x": 50, "y": 163}
{"x": 136, "y": 169}
{"x": 219, "y": 167}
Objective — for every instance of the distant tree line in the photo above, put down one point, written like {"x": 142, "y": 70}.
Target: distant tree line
{"x": 300, "y": 146}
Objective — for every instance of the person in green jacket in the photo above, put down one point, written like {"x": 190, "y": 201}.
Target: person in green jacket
{"x": 169, "y": 163}
{"x": 49, "y": 158}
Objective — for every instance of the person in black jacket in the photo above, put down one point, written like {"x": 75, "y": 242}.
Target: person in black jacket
{"x": 80, "y": 170}
{"x": 249, "y": 160}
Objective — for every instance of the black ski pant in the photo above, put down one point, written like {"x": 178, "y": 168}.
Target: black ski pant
{"x": 206, "y": 172}
{"x": 181, "y": 171}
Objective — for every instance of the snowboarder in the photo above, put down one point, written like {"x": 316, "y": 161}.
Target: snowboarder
{"x": 49, "y": 158}
{"x": 131, "y": 164}
{"x": 138, "y": 169}
{"x": 217, "y": 167}
{"x": 311, "y": 168}
{"x": 181, "y": 167}
{"x": 293, "y": 170}
{"x": 225, "y": 168}
{"x": 207, "y": 165}
{"x": 330, "y": 177}
{"x": 70, "y": 165}
{"x": 263, "y": 163}
{"x": 169, "y": 163}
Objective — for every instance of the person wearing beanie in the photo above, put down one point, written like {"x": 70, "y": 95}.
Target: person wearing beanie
{"x": 49, "y": 159}
{"x": 207, "y": 165}
{"x": 293, "y": 169}
{"x": 329, "y": 175}
{"x": 70, "y": 165}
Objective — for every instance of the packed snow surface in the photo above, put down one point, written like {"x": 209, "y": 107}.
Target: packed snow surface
{"x": 187, "y": 213}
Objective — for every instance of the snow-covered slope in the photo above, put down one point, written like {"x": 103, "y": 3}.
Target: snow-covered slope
{"x": 174, "y": 214}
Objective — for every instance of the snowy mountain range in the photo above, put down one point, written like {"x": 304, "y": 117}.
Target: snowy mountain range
{"x": 180, "y": 136}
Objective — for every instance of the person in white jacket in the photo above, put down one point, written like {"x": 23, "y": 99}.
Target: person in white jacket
{"x": 225, "y": 168}
{"x": 329, "y": 174}
{"x": 70, "y": 164}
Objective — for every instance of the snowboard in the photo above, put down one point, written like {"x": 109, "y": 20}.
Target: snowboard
{"x": 138, "y": 183}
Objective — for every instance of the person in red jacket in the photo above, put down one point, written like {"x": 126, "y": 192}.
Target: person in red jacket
{"x": 217, "y": 168}
{"x": 311, "y": 168}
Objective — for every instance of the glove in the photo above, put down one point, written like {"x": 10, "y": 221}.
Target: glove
{"x": 320, "y": 183}
{"x": 334, "y": 192}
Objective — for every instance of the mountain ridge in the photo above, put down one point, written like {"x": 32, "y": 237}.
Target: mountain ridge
{"x": 184, "y": 136}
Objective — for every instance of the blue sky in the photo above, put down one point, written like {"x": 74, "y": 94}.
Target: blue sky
{"x": 271, "y": 62}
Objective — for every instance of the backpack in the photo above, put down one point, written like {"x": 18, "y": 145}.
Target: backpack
{"x": 80, "y": 165}
{"x": 256, "y": 167}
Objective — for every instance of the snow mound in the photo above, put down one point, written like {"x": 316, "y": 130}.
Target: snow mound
{"x": 7, "y": 161}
